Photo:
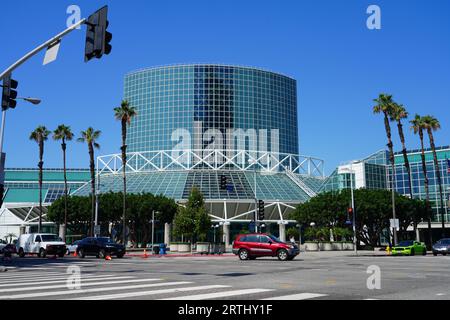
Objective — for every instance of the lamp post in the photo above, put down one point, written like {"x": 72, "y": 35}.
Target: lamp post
{"x": 299, "y": 226}
{"x": 215, "y": 226}
{"x": 34, "y": 101}
{"x": 153, "y": 230}
{"x": 352, "y": 172}
{"x": 253, "y": 162}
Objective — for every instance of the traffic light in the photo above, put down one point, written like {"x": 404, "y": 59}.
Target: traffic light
{"x": 223, "y": 182}
{"x": 261, "y": 210}
{"x": 349, "y": 216}
{"x": 9, "y": 94}
{"x": 97, "y": 36}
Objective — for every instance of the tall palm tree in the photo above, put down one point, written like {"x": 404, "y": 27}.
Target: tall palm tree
{"x": 417, "y": 126}
{"x": 432, "y": 124}
{"x": 398, "y": 113}
{"x": 384, "y": 106}
{"x": 40, "y": 135}
{"x": 125, "y": 113}
{"x": 90, "y": 137}
{"x": 64, "y": 134}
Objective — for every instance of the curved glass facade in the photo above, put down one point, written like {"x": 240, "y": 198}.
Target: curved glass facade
{"x": 196, "y": 98}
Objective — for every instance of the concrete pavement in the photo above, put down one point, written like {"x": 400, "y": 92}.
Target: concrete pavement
{"x": 313, "y": 275}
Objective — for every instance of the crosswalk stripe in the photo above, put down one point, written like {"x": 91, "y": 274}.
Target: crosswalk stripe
{"x": 44, "y": 277}
{"x": 86, "y": 291}
{"x": 152, "y": 292}
{"x": 59, "y": 280}
{"x": 299, "y": 296}
{"x": 31, "y": 275}
{"x": 35, "y": 268}
{"x": 84, "y": 285}
{"x": 220, "y": 294}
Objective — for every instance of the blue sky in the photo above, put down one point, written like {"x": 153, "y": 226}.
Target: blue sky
{"x": 339, "y": 64}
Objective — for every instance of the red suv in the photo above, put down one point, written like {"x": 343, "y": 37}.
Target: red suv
{"x": 251, "y": 246}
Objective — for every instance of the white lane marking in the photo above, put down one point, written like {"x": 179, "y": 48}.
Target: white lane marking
{"x": 33, "y": 268}
{"x": 103, "y": 283}
{"x": 59, "y": 280}
{"x": 371, "y": 299}
{"x": 86, "y": 291}
{"x": 46, "y": 278}
{"x": 152, "y": 292}
{"x": 440, "y": 294}
{"x": 31, "y": 275}
{"x": 299, "y": 296}
{"x": 220, "y": 294}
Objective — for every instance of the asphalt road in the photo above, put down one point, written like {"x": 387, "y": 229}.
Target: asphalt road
{"x": 321, "y": 275}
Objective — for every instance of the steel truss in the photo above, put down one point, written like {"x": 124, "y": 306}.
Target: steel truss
{"x": 235, "y": 160}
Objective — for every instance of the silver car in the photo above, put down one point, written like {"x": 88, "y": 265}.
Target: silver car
{"x": 441, "y": 247}
{"x": 72, "y": 248}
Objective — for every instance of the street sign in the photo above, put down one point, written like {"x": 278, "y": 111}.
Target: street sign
{"x": 251, "y": 226}
{"x": 52, "y": 52}
{"x": 97, "y": 229}
{"x": 348, "y": 222}
{"x": 395, "y": 223}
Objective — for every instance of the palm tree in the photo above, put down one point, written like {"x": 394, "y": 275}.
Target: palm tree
{"x": 40, "y": 135}
{"x": 64, "y": 134}
{"x": 90, "y": 136}
{"x": 125, "y": 113}
{"x": 418, "y": 127}
{"x": 384, "y": 105}
{"x": 398, "y": 113}
{"x": 432, "y": 124}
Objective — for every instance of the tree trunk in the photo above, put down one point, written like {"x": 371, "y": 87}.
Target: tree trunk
{"x": 64, "y": 146}
{"x": 40, "y": 165}
{"x": 392, "y": 160}
{"x": 439, "y": 180}
{"x": 92, "y": 170}
{"x": 405, "y": 156}
{"x": 427, "y": 190}
{"x": 406, "y": 160}
{"x": 124, "y": 164}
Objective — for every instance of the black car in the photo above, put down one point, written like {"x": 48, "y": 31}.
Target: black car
{"x": 100, "y": 247}
{"x": 8, "y": 250}
{"x": 442, "y": 247}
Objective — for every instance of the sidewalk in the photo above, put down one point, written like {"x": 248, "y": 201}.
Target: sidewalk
{"x": 303, "y": 254}
{"x": 177, "y": 255}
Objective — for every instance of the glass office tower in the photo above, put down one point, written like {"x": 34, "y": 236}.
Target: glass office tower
{"x": 217, "y": 97}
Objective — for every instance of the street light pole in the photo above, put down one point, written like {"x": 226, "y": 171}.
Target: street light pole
{"x": 254, "y": 162}
{"x": 352, "y": 172}
{"x": 355, "y": 242}
{"x": 17, "y": 64}
{"x": 153, "y": 231}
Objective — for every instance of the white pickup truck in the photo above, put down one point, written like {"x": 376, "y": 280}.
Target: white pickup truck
{"x": 41, "y": 244}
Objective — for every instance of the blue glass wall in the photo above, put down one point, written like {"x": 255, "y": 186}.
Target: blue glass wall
{"x": 220, "y": 96}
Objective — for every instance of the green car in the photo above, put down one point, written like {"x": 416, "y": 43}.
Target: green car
{"x": 409, "y": 248}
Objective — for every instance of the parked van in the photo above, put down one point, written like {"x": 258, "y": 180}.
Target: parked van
{"x": 40, "y": 244}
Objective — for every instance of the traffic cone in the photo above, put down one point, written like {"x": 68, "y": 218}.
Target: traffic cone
{"x": 108, "y": 258}
{"x": 145, "y": 253}
{"x": 75, "y": 253}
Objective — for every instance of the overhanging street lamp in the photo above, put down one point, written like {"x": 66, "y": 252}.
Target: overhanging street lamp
{"x": 352, "y": 172}
{"x": 34, "y": 101}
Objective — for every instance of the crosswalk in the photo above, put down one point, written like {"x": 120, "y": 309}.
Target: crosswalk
{"x": 54, "y": 285}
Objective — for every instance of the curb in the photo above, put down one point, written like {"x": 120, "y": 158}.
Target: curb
{"x": 179, "y": 255}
